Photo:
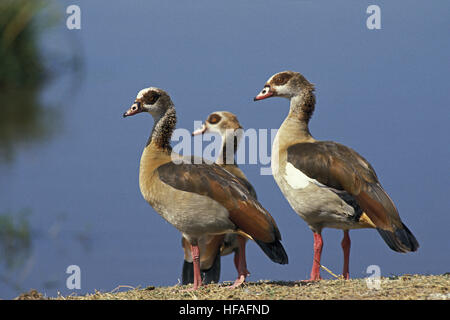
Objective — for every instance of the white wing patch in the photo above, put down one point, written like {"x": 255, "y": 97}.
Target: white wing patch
{"x": 297, "y": 179}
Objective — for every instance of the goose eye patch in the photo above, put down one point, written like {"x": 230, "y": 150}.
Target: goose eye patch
{"x": 151, "y": 97}
{"x": 214, "y": 118}
{"x": 281, "y": 79}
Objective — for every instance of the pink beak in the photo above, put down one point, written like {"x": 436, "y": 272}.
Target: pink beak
{"x": 264, "y": 94}
{"x": 134, "y": 109}
{"x": 200, "y": 130}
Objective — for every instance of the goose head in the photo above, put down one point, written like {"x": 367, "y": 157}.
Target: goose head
{"x": 222, "y": 122}
{"x": 152, "y": 100}
{"x": 286, "y": 84}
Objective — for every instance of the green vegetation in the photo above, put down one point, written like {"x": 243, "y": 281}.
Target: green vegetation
{"x": 15, "y": 239}
{"x": 21, "y": 64}
{"x": 22, "y": 74}
{"x": 15, "y": 247}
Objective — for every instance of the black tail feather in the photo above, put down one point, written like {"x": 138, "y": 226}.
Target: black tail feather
{"x": 401, "y": 240}
{"x": 208, "y": 276}
{"x": 212, "y": 274}
{"x": 187, "y": 275}
{"x": 274, "y": 251}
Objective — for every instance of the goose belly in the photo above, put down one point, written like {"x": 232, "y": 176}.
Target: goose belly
{"x": 192, "y": 214}
{"x": 319, "y": 206}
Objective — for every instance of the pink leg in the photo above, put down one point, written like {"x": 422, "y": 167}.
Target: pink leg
{"x": 240, "y": 263}
{"x": 346, "y": 248}
{"x": 318, "y": 244}
{"x": 236, "y": 259}
{"x": 195, "y": 251}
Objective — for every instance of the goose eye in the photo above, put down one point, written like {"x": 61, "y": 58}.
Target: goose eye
{"x": 214, "y": 118}
{"x": 136, "y": 106}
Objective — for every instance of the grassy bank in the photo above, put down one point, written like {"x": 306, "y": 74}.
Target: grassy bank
{"x": 396, "y": 288}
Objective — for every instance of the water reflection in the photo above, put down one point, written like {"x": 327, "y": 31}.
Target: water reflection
{"x": 25, "y": 120}
{"x": 15, "y": 246}
{"x": 23, "y": 74}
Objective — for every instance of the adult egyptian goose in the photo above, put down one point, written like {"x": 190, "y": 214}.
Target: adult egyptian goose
{"x": 327, "y": 183}
{"x": 227, "y": 126}
{"x": 198, "y": 199}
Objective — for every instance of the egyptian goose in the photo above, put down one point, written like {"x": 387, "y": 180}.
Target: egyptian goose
{"x": 198, "y": 199}
{"x": 327, "y": 183}
{"x": 227, "y": 126}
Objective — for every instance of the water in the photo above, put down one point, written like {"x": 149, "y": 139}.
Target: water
{"x": 71, "y": 169}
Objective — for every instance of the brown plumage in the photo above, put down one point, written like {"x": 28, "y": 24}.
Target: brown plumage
{"x": 326, "y": 183}
{"x": 197, "y": 199}
{"x": 212, "y": 181}
{"x": 227, "y": 126}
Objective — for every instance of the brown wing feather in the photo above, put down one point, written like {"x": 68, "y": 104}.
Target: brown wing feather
{"x": 234, "y": 170}
{"x": 212, "y": 181}
{"x": 342, "y": 168}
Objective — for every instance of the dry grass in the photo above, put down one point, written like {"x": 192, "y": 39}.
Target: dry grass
{"x": 405, "y": 287}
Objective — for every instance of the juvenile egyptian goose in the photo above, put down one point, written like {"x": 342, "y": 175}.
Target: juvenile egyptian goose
{"x": 196, "y": 198}
{"x": 227, "y": 126}
{"x": 327, "y": 183}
